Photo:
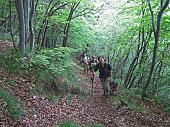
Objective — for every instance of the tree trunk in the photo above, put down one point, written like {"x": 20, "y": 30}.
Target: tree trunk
{"x": 10, "y": 22}
{"x": 144, "y": 57}
{"x": 20, "y": 11}
{"x": 134, "y": 63}
{"x": 26, "y": 6}
{"x": 43, "y": 43}
{"x": 156, "y": 37}
{"x": 32, "y": 34}
{"x": 67, "y": 26}
{"x": 43, "y": 23}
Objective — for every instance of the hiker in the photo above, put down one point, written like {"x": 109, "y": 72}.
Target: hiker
{"x": 93, "y": 62}
{"x": 84, "y": 61}
{"x": 105, "y": 74}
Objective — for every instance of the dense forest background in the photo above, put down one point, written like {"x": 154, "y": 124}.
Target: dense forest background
{"x": 46, "y": 38}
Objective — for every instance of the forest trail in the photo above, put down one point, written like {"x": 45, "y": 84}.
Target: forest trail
{"x": 40, "y": 112}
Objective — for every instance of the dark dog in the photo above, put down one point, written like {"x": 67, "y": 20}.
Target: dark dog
{"x": 113, "y": 86}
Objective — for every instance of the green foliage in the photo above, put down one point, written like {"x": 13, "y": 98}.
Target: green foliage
{"x": 39, "y": 89}
{"x": 12, "y": 104}
{"x": 136, "y": 106}
{"x": 4, "y": 9}
{"x": 97, "y": 125}
{"x": 51, "y": 63}
{"x": 5, "y": 37}
{"x": 162, "y": 98}
{"x": 81, "y": 35}
{"x": 12, "y": 61}
{"x": 9, "y": 82}
{"x": 68, "y": 124}
{"x": 131, "y": 98}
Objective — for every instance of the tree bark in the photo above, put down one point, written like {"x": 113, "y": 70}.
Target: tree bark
{"x": 26, "y": 6}
{"x": 32, "y": 34}
{"x": 10, "y": 22}
{"x": 67, "y": 26}
{"x": 20, "y": 11}
{"x": 156, "y": 37}
{"x": 133, "y": 63}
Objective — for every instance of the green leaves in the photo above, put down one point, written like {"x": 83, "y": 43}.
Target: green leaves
{"x": 52, "y": 63}
{"x": 68, "y": 124}
{"x": 12, "y": 61}
{"x": 12, "y": 104}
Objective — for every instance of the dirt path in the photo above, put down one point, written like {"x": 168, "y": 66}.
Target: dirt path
{"x": 39, "y": 112}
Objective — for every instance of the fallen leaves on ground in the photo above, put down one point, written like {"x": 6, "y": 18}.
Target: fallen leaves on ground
{"x": 38, "y": 111}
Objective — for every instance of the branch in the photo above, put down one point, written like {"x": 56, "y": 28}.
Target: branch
{"x": 160, "y": 14}
{"x": 161, "y": 3}
{"x": 90, "y": 11}
{"x": 152, "y": 16}
{"x": 163, "y": 7}
{"x": 76, "y": 5}
{"x": 53, "y": 7}
{"x": 52, "y": 12}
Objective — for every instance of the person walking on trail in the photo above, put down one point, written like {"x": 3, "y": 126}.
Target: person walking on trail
{"x": 84, "y": 61}
{"x": 93, "y": 62}
{"x": 105, "y": 74}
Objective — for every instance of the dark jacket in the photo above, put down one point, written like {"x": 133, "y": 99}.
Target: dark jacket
{"x": 105, "y": 71}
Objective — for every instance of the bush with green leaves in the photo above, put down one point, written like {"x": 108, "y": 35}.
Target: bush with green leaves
{"x": 12, "y": 104}
{"x": 97, "y": 125}
{"x": 68, "y": 124}
{"x": 162, "y": 98}
{"x": 50, "y": 63}
{"x": 12, "y": 61}
{"x": 129, "y": 98}
{"x": 39, "y": 89}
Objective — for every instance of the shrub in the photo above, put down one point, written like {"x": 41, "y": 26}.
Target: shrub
{"x": 97, "y": 125}
{"x": 12, "y": 104}
{"x": 12, "y": 61}
{"x": 162, "y": 98}
{"x": 68, "y": 124}
{"x": 48, "y": 64}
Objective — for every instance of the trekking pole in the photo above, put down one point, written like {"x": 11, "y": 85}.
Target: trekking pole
{"x": 92, "y": 80}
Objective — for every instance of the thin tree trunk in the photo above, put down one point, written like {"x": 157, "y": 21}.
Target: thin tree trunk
{"x": 134, "y": 63}
{"x": 49, "y": 12}
{"x": 43, "y": 44}
{"x": 44, "y": 21}
{"x": 67, "y": 26}
{"x": 143, "y": 57}
{"x": 156, "y": 37}
{"x": 32, "y": 34}
{"x": 26, "y": 6}
{"x": 20, "y": 11}
{"x": 10, "y": 22}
